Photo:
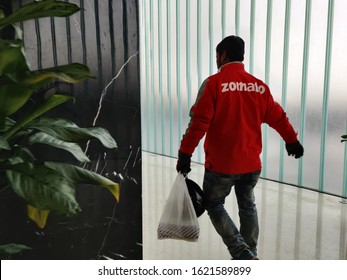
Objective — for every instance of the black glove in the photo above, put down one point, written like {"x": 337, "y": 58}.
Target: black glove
{"x": 183, "y": 163}
{"x": 295, "y": 149}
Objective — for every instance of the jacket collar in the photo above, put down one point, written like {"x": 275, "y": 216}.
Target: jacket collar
{"x": 233, "y": 64}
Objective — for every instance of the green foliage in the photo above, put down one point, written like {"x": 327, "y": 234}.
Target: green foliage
{"x": 9, "y": 249}
{"x": 39, "y": 9}
{"x": 46, "y": 186}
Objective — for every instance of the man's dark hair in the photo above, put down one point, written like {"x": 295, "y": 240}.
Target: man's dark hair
{"x": 234, "y": 47}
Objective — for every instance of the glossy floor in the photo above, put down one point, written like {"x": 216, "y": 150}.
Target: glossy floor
{"x": 295, "y": 224}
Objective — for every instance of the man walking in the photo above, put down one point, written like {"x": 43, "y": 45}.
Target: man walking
{"x": 230, "y": 109}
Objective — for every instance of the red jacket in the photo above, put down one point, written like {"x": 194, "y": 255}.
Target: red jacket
{"x": 230, "y": 108}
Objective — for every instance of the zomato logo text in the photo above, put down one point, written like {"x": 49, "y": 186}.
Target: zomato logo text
{"x": 239, "y": 86}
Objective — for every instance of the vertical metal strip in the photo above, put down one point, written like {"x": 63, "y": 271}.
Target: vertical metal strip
{"x": 168, "y": 20}
{"x": 302, "y": 122}
{"x": 252, "y": 35}
{"x": 112, "y": 41}
{"x": 38, "y": 38}
{"x": 125, "y": 32}
{"x": 210, "y": 33}
{"x": 188, "y": 69}
{"x": 160, "y": 50}
{"x": 69, "y": 47}
{"x": 142, "y": 75}
{"x": 267, "y": 79}
{"x": 237, "y": 17}
{"x": 83, "y": 32}
{"x": 326, "y": 93}
{"x": 98, "y": 44}
{"x": 285, "y": 78}
{"x": 224, "y": 21}
{"x": 83, "y": 39}
{"x": 178, "y": 65}
{"x": 54, "y": 43}
{"x": 199, "y": 58}
{"x": 68, "y": 33}
{"x": 152, "y": 58}
{"x": 286, "y": 40}
{"x": 147, "y": 62}
{"x": 199, "y": 42}
{"x": 268, "y": 41}
{"x": 304, "y": 84}
{"x": 126, "y": 40}
{"x": 20, "y": 4}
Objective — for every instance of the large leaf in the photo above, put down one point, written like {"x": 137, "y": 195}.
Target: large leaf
{"x": 68, "y": 131}
{"x": 81, "y": 175}
{"x": 38, "y": 216}
{"x": 23, "y": 152}
{"x": 40, "y": 9}
{"x": 37, "y": 111}
{"x": 4, "y": 144}
{"x": 43, "y": 188}
{"x": 13, "y": 59}
{"x": 73, "y": 148}
{"x": 70, "y": 73}
{"x": 7, "y": 124}
{"x": 12, "y": 248}
{"x": 13, "y": 97}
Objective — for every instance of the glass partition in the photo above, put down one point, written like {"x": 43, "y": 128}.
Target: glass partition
{"x": 296, "y": 47}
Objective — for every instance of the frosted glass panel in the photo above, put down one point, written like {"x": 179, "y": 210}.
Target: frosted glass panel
{"x": 296, "y": 47}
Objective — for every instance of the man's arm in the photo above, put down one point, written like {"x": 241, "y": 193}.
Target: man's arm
{"x": 277, "y": 119}
{"x": 201, "y": 115}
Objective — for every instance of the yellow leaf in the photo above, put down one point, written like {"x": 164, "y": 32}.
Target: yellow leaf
{"x": 114, "y": 189}
{"x": 38, "y": 216}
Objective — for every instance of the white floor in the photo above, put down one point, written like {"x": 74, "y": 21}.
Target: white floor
{"x": 295, "y": 224}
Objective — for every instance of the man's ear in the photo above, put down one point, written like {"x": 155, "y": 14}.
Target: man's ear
{"x": 224, "y": 57}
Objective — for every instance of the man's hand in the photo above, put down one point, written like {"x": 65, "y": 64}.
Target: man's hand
{"x": 295, "y": 149}
{"x": 183, "y": 163}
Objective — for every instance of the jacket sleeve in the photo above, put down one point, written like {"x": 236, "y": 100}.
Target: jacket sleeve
{"x": 276, "y": 118}
{"x": 201, "y": 115}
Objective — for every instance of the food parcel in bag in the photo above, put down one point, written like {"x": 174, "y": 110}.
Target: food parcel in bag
{"x": 179, "y": 220}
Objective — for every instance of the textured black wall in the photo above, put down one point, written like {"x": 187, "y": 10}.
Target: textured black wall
{"x": 104, "y": 36}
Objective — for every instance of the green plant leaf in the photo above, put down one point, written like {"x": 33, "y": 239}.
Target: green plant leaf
{"x": 73, "y": 148}
{"x": 7, "y": 124}
{"x": 40, "y": 9}
{"x": 81, "y": 175}
{"x": 43, "y": 188}
{"x": 15, "y": 160}
{"x": 70, "y": 73}
{"x": 12, "y": 248}
{"x": 13, "y": 97}
{"x": 13, "y": 60}
{"x": 23, "y": 152}
{"x": 37, "y": 111}
{"x": 38, "y": 216}
{"x": 66, "y": 130}
{"x": 4, "y": 145}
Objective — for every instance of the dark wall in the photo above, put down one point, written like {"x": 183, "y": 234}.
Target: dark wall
{"x": 104, "y": 36}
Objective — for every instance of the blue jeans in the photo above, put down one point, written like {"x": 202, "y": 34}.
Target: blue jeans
{"x": 216, "y": 188}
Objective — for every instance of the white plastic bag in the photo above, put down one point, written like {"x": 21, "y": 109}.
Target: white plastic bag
{"x": 179, "y": 220}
